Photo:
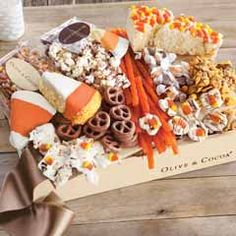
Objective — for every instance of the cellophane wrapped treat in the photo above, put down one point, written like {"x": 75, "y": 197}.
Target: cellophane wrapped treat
{"x": 20, "y": 70}
{"x": 86, "y": 53}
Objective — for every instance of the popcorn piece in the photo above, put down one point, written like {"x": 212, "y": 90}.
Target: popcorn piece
{"x": 63, "y": 175}
{"x": 43, "y": 137}
{"x": 231, "y": 116}
{"x": 93, "y": 65}
{"x": 55, "y": 160}
{"x": 150, "y": 123}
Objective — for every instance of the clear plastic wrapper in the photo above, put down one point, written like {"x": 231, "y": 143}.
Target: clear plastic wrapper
{"x": 20, "y": 69}
{"x": 74, "y": 34}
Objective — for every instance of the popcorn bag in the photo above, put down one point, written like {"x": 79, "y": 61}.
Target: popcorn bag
{"x": 105, "y": 109}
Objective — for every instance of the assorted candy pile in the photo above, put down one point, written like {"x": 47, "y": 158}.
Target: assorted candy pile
{"x": 192, "y": 94}
{"x": 96, "y": 93}
{"x": 60, "y": 159}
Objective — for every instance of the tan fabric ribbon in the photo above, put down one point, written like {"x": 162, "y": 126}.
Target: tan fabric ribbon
{"x": 19, "y": 214}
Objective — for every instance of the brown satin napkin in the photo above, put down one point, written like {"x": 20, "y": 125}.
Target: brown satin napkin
{"x": 19, "y": 214}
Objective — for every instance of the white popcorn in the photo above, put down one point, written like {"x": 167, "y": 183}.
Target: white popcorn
{"x": 89, "y": 79}
{"x": 43, "y": 137}
{"x": 150, "y": 60}
{"x": 93, "y": 65}
{"x": 115, "y": 62}
{"x": 54, "y": 50}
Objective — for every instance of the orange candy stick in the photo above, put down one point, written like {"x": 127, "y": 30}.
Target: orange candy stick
{"x": 123, "y": 68}
{"x": 120, "y": 32}
{"x": 131, "y": 77}
{"x": 145, "y": 142}
{"x": 142, "y": 96}
{"x": 128, "y": 98}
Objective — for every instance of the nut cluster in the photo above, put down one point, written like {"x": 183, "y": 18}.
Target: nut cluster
{"x": 206, "y": 75}
{"x": 31, "y": 56}
{"x": 94, "y": 65}
{"x": 7, "y": 88}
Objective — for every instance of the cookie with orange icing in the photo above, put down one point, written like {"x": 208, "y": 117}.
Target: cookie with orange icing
{"x": 142, "y": 23}
{"x": 186, "y": 36}
{"x": 75, "y": 100}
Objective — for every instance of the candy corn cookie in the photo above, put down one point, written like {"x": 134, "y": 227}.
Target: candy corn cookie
{"x": 143, "y": 22}
{"x": 77, "y": 101}
{"x": 185, "y": 36}
{"x": 28, "y": 111}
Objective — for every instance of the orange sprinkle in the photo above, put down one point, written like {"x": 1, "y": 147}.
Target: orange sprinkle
{"x": 113, "y": 157}
{"x": 87, "y": 165}
{"x": 49, "y": 160}
{"x": 186, "y": 109}
{"x": 212, "y": 99}
{"x": 85, "y": 145}
{"x": 200, "y": 132}
{"x": 215, "y": 118}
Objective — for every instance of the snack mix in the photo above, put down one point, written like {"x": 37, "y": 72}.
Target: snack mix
{"x": 95, "y": 96}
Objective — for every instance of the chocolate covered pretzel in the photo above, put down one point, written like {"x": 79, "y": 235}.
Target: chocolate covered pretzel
{"x": 120, "y": 112}
{"x": 59, "y": 119}
{"x": 105, "y": 106}
{"x": 89, "y": 132}
{"x": 68, "y": 132}
{"x": 123, "y": 130}
{"x": 114, "y": 96}
{"x": 131, "y": 142}
{"x": 110, "y": 143}
{"x": 100, "y": 122}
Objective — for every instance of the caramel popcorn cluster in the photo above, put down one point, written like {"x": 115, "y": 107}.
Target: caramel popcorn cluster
{"x": 33, "y": 57}
{"x": 206, "y": 75}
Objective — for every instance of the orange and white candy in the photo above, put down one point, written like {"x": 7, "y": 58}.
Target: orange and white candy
{"x": 76, "y": 100}
{"x": 215, "y": 121}
{"x": 28, "y": 110}
{"x": 189, "y": 109}
{"x": 212, "y": 99}
{"x": 117, "y": 45}
{"x": 198, "y": 131}
{"x": 168, "y": 106}
{"x": 179, "y": 125}
{"x": 150, "y": 123}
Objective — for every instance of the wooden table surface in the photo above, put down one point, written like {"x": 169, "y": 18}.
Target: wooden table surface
{"x": 198, "y": 203}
